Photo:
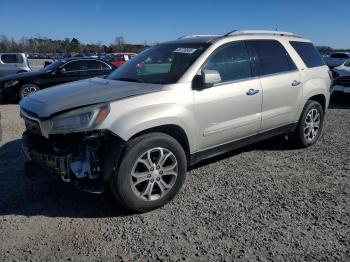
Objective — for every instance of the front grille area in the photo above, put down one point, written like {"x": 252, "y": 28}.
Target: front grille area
{"x": 343, "y": 81}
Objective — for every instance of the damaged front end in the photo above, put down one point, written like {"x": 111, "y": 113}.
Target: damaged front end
{"x": 86, "y": 159}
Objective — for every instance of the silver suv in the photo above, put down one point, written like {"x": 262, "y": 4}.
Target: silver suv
{"x": 13, "y": 63}
{"x": 174, "y": 105}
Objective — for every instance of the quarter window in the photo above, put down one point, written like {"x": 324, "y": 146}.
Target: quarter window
{"x": 273, "y": 57}
{"x": 232, "y": 61}
{"x": 11, "y": 58}
{"x": 308, "y": 54}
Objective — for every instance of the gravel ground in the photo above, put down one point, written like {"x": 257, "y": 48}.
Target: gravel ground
{"x": 265, "y": 202}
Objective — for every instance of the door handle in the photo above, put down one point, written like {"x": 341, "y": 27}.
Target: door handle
{"x": 252, "y": 91}
{"x": 296, "y": 83}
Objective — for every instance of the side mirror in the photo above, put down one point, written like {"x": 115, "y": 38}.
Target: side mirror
{"x": 206, "y": 80}
{"x": 61, "y": 70}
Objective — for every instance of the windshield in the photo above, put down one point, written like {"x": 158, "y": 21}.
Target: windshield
{"x": 161, "y": 64}
{"x": 52, "y": 66}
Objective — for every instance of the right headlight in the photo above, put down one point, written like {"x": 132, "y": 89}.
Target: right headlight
{"x": 82, "y": 119}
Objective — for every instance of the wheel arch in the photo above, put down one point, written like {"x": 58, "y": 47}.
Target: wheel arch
{"x": 175, "y": 131}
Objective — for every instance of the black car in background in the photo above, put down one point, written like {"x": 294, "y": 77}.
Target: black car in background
{"x": 72, "y": 69}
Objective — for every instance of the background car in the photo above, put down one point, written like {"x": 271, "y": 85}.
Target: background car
{"x": 59, "y": 72}
{"x": 119, "y": 59}
{"x": 336, "y": 59}
{"x": 12, "y": 63}
{"x": 344, "y": 66}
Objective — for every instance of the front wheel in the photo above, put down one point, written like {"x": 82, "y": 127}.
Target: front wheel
{"x": 310, "y": 125}
{"x": 27, "y": 89}
{"x": 151, "y": 172}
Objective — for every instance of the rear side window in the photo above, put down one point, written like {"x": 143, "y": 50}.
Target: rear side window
{"x": 11, "y": 58}
{"x": 273, "y": 57}
{"x": 94, "y": 65}
{"x": 75, "y": 66}
{"x": 339, "y": 56}
{"x": 232, "y": 61}
{"x": 308, "y": 53}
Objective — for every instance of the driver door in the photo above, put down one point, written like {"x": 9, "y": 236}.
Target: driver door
{"x": 231, "y": 109}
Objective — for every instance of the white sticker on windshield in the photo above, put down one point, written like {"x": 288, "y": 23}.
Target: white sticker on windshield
{"x": 185, "y": 50}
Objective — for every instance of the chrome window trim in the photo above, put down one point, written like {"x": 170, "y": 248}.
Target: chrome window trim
{"x": 86, "y": 69}
{"x": 236, "y": 81}
{"x": 280, "y": 73}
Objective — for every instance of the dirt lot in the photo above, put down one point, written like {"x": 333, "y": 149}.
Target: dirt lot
{"x": 264, "y": 202}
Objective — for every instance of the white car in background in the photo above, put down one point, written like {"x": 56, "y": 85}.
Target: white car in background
{"x": 337, "y": 58}
{"x": 344, "y": 66}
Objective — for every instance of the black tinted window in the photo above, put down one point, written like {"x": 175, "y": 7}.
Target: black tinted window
{"x": 339, "y": 55}
{"x": 231, "y": 61}
{"x": 95, "y": 65}
{"x": 273, "y": 57}
{"x": 11, "y": 58}
{"x": 308, "y": 54}
{"x": 75, "y": 66}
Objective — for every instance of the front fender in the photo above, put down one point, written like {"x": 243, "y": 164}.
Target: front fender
{"x": 137, "y": 120}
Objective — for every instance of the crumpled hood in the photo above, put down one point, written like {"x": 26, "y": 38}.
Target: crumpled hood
{"x": 82, "y": 93}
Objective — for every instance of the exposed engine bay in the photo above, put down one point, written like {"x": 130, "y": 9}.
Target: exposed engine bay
{"x": 81, "y": 158}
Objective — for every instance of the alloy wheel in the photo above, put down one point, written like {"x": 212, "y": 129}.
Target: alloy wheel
{"x": 312, "y": 124}
{"x": 154, "y": 174}
{"x": 29, "y": 90}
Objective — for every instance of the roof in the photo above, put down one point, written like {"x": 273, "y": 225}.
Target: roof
{"x": 188, "y": 39}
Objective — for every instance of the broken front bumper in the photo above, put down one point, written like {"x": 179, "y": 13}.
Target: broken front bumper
{"x": 40, "y": 153}
{"x": 86, "y": 159}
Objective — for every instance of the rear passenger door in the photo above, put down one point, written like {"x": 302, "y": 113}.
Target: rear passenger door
{"x": 281, "y": 83}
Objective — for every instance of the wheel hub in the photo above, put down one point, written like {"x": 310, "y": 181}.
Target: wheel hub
{"x": 154, "y": 173}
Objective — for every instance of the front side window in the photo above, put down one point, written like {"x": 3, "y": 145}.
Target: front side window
{"x": 160, "y": 64}
{"x": 232, "y": 61}
{"x": 347, "y": 63}
{"x": 308, "y": 54}
{"x": 273, "y": 57}
{"x": 75, "y": 66}
{"x": 11, "y": 58}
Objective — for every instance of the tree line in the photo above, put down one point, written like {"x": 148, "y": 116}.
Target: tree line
{"x": 67, "y": 45}
{"x": 73, "y": 45}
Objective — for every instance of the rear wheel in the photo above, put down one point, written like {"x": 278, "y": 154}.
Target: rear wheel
{"x": 27, "y": 89}
{"x": 310, "y": 125}
{"x": 151, "y": 172}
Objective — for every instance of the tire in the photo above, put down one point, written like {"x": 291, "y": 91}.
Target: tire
{"x": 159, "y": 183}
{"x": 27, "y": 89}
{"x": 311, "y": 119}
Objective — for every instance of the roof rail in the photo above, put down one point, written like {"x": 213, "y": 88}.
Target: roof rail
{"x": 263, "y": 32}
{"x": 193, "y": 36}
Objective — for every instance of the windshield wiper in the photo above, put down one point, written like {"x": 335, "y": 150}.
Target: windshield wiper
{"x": 128, "y": 79}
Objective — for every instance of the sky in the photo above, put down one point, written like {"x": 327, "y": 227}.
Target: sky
{"x": 92, "y": 21}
